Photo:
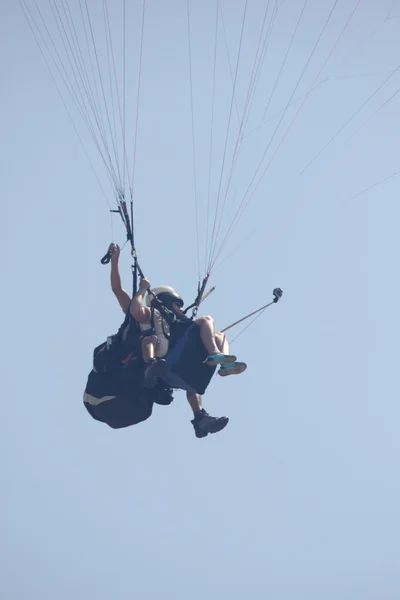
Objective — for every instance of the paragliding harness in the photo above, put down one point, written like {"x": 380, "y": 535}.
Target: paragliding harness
{"x": 185, "y": 366}
{"x": 114, "y": 392}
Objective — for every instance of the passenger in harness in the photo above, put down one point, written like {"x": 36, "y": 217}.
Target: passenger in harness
{"x": 195, "y": 336}
{"x": 161, "y": 337}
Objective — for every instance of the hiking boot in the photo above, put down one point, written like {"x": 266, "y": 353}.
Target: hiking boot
{"x": 232, "y": 369}
{"x": 204, "y": 424}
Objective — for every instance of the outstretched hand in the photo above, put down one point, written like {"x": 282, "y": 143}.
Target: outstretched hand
{"x": 115, "y": 251}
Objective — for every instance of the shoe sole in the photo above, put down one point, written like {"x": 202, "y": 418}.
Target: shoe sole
{"x": 221, "y": 361}
{"x": 239, "y": 368}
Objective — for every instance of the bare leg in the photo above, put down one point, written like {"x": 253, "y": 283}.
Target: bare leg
{"x": 195, "y": 401}
{"x": 213, "y": 342}
{"x": 149, "y": 347}
{"x": 207, "y": 334}
{"x": 149, "y": 344}
{"x": 222, "y": 342}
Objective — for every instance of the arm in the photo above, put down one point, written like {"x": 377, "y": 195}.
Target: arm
{"x": 139, "y": 312}
{"x": 121, "y": 295}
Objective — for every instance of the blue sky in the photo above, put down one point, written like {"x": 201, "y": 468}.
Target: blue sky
{"x": 298, "y": 497}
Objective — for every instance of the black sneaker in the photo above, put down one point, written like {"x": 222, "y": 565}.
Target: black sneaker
{"x": 204, "y": 424}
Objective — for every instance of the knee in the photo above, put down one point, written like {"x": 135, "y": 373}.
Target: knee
{"x": 204, "y": 319}
{"x": 149, "y": 340}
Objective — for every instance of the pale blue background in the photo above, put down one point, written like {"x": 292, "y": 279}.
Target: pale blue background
{"x": 298, "y": 498}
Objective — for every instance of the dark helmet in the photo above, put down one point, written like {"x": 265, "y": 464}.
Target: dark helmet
{"x": 166, "y": 294}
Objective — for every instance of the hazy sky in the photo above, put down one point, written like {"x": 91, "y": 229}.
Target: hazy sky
{"x": 299, "y": 496}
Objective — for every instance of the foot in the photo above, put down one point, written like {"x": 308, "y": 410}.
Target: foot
{"x": 153, "y": 370}
{"x": 204, "y": 424}
{"x": 232, "y": 369}
{"x": 219, "y": 359}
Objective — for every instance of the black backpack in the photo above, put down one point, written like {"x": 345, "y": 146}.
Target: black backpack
{"x": 119, "y": 349}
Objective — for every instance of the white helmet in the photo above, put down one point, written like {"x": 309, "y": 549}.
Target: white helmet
{"x": 166, "y": 294}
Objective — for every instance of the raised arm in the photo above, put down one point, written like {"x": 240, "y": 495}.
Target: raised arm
{"x": 138, "y": 311}
{"x": 122, "y": 296}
